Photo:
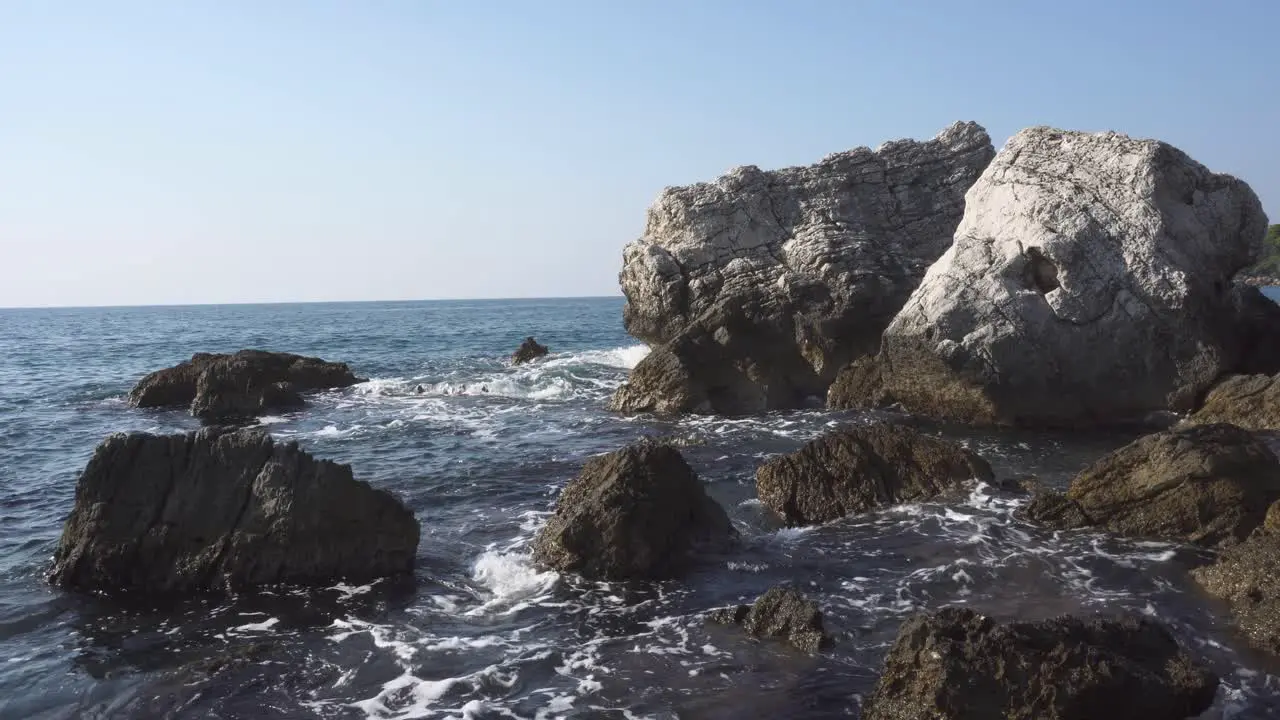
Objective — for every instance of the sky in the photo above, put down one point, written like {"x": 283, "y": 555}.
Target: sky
{"x": 210, "y": 151}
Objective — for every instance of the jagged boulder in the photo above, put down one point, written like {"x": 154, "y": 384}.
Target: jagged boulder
{"x": 1250, "y": 401}
{"x": 1090, "y": 282}
{"x": 220, "y": 509}
{"x": 860, "y": 468}
{"x": 762, "y": 285}
{"x": 1207, "y": 484}
{"x": 958, "y": 665}
{"x": 528, "y": 351}
{"x": 780, "y": 613}
{"x": 632, "y": 514}
{"x": 231, "y": 387}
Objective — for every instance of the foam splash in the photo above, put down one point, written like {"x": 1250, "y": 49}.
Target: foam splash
{"x": 512, "y": 581}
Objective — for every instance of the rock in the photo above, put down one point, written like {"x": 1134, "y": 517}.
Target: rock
{"x": 1209, "y": 485}
{"x": 661, "y": 383}
{"x": 229, "y": 387}
{"x": 633, "y": 514}
{"x": 859, "y": 386}
{"x": 958, "y": 665}
{"x": 780, "y": 613}
{"x": 1250, "y": 401}
{"x": 1248, "y": 577}
{"x": 1090, "y": 283}
{"x": 528, "y": 351}
{"x": 220, "y": 509}
{"x": 860, "y": 468}
{"x": 764, "y": 284}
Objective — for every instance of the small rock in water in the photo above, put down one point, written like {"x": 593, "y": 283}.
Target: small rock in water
{"x": 958, "y": 665}
{"x": 635, "y": 513}
{"x": 859, "y": 468}
{"x": 528, "y": 351}
{"x": 222, "y": 509}
{"x": 780, "y": 613}
{"x": 1206, "y": 484}
{"x": 240, "y": 386}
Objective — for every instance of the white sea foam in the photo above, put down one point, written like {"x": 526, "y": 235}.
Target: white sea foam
{"x": 512, "y": 581}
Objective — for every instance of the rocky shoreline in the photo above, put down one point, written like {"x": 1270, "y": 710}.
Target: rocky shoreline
{"x": 1072, "y": 280}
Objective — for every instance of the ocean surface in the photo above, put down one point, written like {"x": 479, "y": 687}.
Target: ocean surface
{"x": 479, "y": 455}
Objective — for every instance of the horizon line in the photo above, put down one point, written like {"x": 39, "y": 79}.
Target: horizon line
{"x": 248, "y": 303}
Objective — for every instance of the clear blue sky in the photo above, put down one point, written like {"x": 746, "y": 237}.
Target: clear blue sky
{"x": 237, "y": 150}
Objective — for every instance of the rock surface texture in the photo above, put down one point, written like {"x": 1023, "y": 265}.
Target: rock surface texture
{"x": 1090, "y": 282}
{"x": 762, "y": 285}
{"x": 223, "y": 510}
{"x": 528, "y": 351}
{"x": 1250, "y": 401}
{"x": 1248, "y": 576}
{"x": 632, "y": 514}
{"x": 1210, "y": 485}
{"x": 239, "y": 386}
{"x": 780, "y": 613}
{"x": 860, "y": 468}
{"x": 958, "y": 665}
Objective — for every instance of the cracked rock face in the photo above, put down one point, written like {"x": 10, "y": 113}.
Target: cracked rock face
{"x": 958, "y": 665}
{"x": 764, "y": 284}
{"x": 222, "y": 510}
{"x": 1090, "y": 282}
{"x": 1209, "y": 485}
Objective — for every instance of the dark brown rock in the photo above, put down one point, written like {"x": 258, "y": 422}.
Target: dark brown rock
{"x": 860, "y": 468}
{"x": 780, "y": 613}
{"x": 1248, "y": 577}
{"x": 859, "y": 386}
{"x": 223, "y": 510}
{"x": 1209, "y": 485}
{"x": 635, "y": 513}
{"x": 226, "y": 387}
{"x": 958, "y": 665}
{"x": 1250, "y": 401}
{"x": 528, "y": 351}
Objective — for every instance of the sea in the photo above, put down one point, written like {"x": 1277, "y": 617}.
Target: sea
{"x": 479, "y": 451}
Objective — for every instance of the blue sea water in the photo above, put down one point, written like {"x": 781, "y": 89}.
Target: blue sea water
{"x": 479, "y": 455}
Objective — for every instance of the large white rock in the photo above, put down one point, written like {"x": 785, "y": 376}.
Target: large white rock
{"x": 1090, "y": 281}
{"x": 762, "y": 285}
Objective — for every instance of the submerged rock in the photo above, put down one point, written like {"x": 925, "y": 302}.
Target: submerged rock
{"x": 633, "y": 514}
{"x": 1090, "y": 282}
{"x": 1250, "y": 401}
{"x": 762, "y": 285}
{"x": 1209, "y": 485}
{"x": 239, "y": 386}
{"x": 1248, "y": 577}
{"x": 780, "y": 613}
{"x": 860, "y": 468}
{"x": 223, "y": 510}
{"x": 528, "y": 351}
{"x": 958, "y": 665}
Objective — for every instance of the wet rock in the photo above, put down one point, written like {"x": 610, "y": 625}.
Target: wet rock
{"x": 1209, "y": 485}
{"x": 1248, "y": 577}
{"x": 528, "y": 351}
{"x": 764, "y": 284}
{"x": 780, "y": 613}
{"x": 859, "y": 468}
{"x": 239, "y": 386}
{"x": 1090, "y": 283}
{"x": 1250, "y": 401}
{"x": 958, "y": 665}
{"x": 859, "y": 386}
{"x": 632, "y": 514}
{"x": 221, "y": 509}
